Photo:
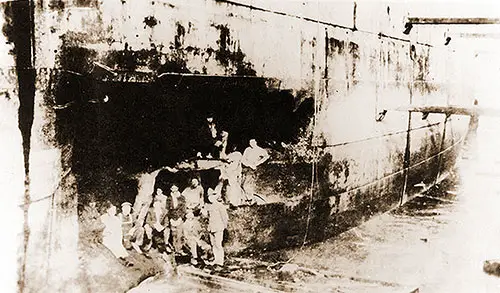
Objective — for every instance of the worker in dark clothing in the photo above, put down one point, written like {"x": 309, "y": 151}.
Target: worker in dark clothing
{"x": 176, "y": 205}
{"x": 156, "y": 219}
{"x": 211, "y": 142}
{"x": 207, "y": 137}
{"x": 91, "y": 225}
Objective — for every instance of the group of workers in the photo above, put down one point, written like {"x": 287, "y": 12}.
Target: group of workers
{"x": 190, "y": 218}
{"x": 169, "y": 223}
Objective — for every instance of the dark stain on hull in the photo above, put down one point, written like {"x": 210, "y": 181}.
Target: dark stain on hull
{"x": 229, "y": 53}
{"x": 57, "y": 5}
{"x": 150, "y": 21}
{"x": 288, "y": 179}
{"x": 86, "y": 3}
{"x": 19, "y": 30}
{"x": 334, "y": 175}
{"x": 354, "y": 51}
{"x": 335, "y": 46}
{"x": 75, "y": 57}
{"x": 129, "y": 60}
{"x": 224, "y": 42}
{"x": 179, "y": 36}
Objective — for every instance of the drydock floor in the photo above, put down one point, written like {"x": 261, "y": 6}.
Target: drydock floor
{"x": 435, "y": 243}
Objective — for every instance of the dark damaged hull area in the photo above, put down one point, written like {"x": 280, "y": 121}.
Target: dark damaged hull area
{"x": 120, "y": 129}
{"x": 142, "y": 127}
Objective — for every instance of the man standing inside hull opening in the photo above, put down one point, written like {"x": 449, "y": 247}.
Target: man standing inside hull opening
{"x": 207, "y": 137}
{"x": 211, "y": 143}
{"x": 253, "y": 156}
{"x": 156, "y": 219}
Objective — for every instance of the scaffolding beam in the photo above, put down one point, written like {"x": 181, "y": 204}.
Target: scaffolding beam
{"x": 452, "y": 20}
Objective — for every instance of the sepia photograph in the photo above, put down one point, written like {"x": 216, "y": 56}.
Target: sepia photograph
{"x": 250, "y": 146}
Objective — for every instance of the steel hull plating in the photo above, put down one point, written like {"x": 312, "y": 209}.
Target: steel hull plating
{"x": 122, "y": 87}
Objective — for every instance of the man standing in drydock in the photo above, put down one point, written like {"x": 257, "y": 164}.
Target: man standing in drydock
{"x": 217, "y": 223}
{"x": 176, "y": 205}
{"x": 162, "y": 198}
{"x": 254, "y": 155}
{"x": 191, "y": 229}
{"x": 156, "y": 220}
{"x": 128, "y": 220}
{"x": 91, "y": 225}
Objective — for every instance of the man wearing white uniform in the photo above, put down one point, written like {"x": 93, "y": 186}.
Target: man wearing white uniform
{"x": 112, "y": 235}
{"x": 232, "y": 174}
{"x": 217, "y": 223}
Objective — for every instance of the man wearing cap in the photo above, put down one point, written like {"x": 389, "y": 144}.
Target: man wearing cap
{"x": 127, "y": 220}
{"x": 176, "y": 205}
{"x": 217, "y": 222}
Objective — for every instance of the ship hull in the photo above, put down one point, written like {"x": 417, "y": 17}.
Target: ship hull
{"x": 120, "y": 90}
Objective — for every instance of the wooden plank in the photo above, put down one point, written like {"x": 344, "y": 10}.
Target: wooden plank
{"x": 437, "y": 109}
{"x": 453, "y": 20}
{"x": 452, "y": 110}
